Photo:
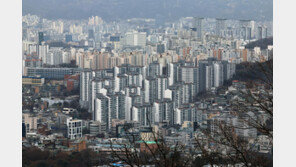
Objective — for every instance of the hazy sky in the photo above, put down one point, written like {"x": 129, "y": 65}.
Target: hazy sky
{"x": 159, "y": 9}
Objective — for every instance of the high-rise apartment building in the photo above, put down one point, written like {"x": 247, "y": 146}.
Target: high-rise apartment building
{"x": 198, "y": 25}
{"x": 220, "y": 27}
{"x": 218, "y": 74}
{"x": 40, "y": 37}
{"x": 247, "y": 29}
{"x": 261, "y": 32}
{"x": 42, "y": 52}
{"x": 135, "y": 39}
{"x": 101, "y": 111}
{"x": 85, "y": 78}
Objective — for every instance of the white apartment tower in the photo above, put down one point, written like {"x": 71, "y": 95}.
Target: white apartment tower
{"x": 135, "y": 39}
{"x": 74, "y": 128}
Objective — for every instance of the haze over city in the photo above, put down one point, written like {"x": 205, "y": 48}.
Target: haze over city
{"x": 147, "y": 83}
{"x": 162, "y": 10}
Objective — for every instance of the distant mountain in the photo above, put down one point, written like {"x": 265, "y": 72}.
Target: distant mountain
{"x": 158, "y": 9}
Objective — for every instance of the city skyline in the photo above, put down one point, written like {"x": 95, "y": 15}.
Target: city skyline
{"x": 155, "y": 88}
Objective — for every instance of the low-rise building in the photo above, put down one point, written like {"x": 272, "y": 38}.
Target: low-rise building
{"x": 74, "y": 128}
{"x": 33, "y": 81}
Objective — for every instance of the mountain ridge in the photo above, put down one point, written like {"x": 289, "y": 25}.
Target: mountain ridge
{"x": 158, "y": 9}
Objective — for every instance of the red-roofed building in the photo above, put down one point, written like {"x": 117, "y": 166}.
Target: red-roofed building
{"x": 71, "y": 81}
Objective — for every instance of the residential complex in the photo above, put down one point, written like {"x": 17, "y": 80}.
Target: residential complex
{"x": 88, "y": 82}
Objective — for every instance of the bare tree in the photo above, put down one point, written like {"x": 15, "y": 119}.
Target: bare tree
{"x": 223, "y": 146}
{"x": 233, "y": 148}
{"x": 137, "y": 151}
